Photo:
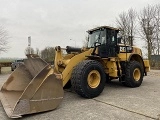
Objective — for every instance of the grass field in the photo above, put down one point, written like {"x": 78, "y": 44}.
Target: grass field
{"x": 7, "y": 60}
{"x": 5, "y": 70}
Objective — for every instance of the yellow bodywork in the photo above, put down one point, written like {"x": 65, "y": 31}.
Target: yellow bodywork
{"x": 147, "y": 65}
{"x": 64, "y": 64}
{"x": 111, "y": 67}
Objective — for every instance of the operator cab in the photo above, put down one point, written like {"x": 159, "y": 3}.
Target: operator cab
{"x": 105, "y": 38}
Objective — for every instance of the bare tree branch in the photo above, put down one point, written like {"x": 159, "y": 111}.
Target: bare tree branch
{"x": 127, "y": 24}
{"x": 157, "y": 30}
{"x": 29, "y": 50}
{"x": 147, "y": 26}
{"x": 3, "y": 40}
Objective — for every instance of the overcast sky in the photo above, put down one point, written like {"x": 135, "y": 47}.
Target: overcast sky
{"x": 55, "y": 22}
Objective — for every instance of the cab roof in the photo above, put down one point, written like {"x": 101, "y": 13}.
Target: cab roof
{"x": 107, "y": 27}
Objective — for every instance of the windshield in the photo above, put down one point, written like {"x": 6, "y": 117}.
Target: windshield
{"x": 96, "y": 36}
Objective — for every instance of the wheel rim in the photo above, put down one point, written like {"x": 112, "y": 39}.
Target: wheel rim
{"x": 137, "y": 74}
{"x": 94, "y": 79}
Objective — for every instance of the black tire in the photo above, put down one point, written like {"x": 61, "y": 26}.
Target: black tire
{"x": 84, "y": 75}
{"x": 134, "y": 74}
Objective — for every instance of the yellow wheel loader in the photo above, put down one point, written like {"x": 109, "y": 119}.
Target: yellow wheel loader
{"x": 35, "y": 86}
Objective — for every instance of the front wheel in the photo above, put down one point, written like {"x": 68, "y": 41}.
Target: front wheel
{"x": 88, "y": 78}
{"x": 134, "y": 74}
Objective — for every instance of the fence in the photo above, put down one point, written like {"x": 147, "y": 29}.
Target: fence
{"x": 155, "y": 62}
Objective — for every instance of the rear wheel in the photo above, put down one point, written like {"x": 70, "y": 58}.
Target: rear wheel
{"x": 134, "y": 74}
{"x": 88, "y": 78}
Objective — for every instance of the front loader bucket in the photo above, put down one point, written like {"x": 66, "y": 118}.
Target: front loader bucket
{"x": 31, "y": 88}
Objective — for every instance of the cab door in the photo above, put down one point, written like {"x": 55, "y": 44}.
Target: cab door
{"x": 108, "y": 44}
